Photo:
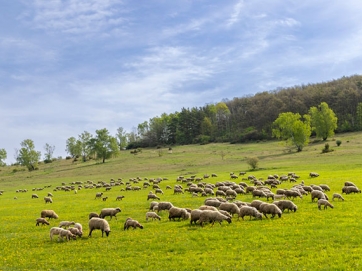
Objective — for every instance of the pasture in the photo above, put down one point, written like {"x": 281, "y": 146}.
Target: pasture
{"x": 309, "y": 239}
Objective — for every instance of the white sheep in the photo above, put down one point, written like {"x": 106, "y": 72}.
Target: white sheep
{"x": 325, "y": 203}
{"x": 231, "y": 208}
{"x": 61, "y": 233}
{"x": 34, "y": 196}
{"x": 152, "y": 215}
{"x": 49, "y": 214}
{"x": 93, "y": 214}
{"x": 195, "y": 214}
{"x": 132, "y": 223}
{"x": 176, "y": 212}
{"x": 75, "y": 232}
{"x": 249, "y": 211}
{"x": 270, "y": 208}
{"x": 316, "y": 194}
{"x": 337, "y": 196}
{"x": 286, "y": 205}
{"x": 109, "y": 212}
{"x": 96, "y": 223}
{"x": 66, "y": 224}
{"x": 152, "y": 196}
{"x": 79, "y": 227}
{"x": 164, "y": 205}
{"x": 48, "y": 200}
{"x": 41, "y": 221}
{"x": 119, "y": 197}
{"x": 99, "y": 195}
{"x": 350, "y": 189}
{"x": 212, "y": 217}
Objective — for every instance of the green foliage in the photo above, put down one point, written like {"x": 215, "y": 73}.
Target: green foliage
{"x": 27, "y": 156}
{"x": 323, "y": 120}
{"x": 121, "y": 138}
{"x": 3, "y": 156}
{"x": 104, "y": 145}
{"x": 252, "y": 162}
{"x": 290, "y": 127}
{"x": 326, "y": 148}
{"x": 338, "y": 142}
{"x": 73, "y": 147}
{"x": 49, "y": 150}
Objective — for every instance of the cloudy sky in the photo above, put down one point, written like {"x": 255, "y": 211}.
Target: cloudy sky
{"x": 69, "y": 66}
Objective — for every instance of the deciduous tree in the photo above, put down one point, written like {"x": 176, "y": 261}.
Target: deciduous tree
{"x": 323, "y": 120}
{"x": 104, "y": 145}
{"x": 27, "y": 155}
{"x": 3, "y": 156}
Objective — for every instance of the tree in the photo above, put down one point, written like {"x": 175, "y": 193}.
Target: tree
{"x": 290, "y": 127}
{"x": 73, "y": 147}
{"x": 27, "y": 156}
{"x": 104, "y": 145}
{"x": 49, "y": 150}
{"x": 3, "y": 156}
{"x": 323, "y": 120}
{"x": 85, "y": 139}
{"x": 121, "y": 138}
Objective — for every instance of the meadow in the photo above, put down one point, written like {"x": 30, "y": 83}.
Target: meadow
{"x": 309, "y": 239}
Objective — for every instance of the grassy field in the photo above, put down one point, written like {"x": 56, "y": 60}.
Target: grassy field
{"x": 309, "y": 239}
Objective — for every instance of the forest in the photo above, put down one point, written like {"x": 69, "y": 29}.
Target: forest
{"x": 250, "y": 118}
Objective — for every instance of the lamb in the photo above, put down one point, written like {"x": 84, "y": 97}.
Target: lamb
{"x": 270, "y": 208}
{"x": 109, "y": 212}
{"x": 176, "y": 212}
{"x": 152, "y": 196}
{"x": 49, "y": 214}
{"x": 93, "y": 214}
{"x": 286, "y": 205}
{"x": 250, "y": 211}
{"x": 66, "y": 224}
{"x": 61, "y": 233}
{"x": 75, "y": 232}
{"x": 132, "y": 223}
{"x": 34, "y": 196}
{"x": 164, "y": 205}
{"x": 79, "y": 227}
{"x": 212, "y": 216}
{"x": 152, "y": 215}
{"x": 324, "y": 202}
{"x": 96, "y": 223}
{"x": 338, "y": 196}
{"x": 41, "y": 221}
{"x": 231, "y": 208}
{"x": 48, "y": 200}
{"x": 119, "y": 197}
{"x": 316, "y": 194}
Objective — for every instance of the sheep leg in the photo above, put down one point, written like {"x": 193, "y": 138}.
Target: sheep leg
{"x": 90, "y": 233}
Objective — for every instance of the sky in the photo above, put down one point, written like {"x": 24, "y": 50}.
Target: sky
{"x": 69, "y": 66}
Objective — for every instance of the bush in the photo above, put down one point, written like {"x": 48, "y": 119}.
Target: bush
{"x": 326, "y": 148}
{"x": 47, "y": 161}
{"x": 252, "y": 162}
{"x": 338, "y": 142}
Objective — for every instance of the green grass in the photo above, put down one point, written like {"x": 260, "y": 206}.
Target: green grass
{"x": 309, "y": 239}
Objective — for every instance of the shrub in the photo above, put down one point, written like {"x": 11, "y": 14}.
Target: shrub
{"x": 338, "y": 142}
{"x": 252, "y": 162}
{"x": 326, "y": 148}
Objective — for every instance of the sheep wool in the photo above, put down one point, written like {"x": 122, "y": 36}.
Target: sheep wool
{"x": 41, "y": 221}
{"x": 152, "y": 215}
{"x": 132, "y": 223}
{"x": 61, "y": 234}
{"x": 96, "y": 223}
{"x": 48, "y": 214}
{"x": 109, "y": 212}
{"x": 212, "y": 217}
{"x": 325, "y": 203}
{"x": 249, "y": 211}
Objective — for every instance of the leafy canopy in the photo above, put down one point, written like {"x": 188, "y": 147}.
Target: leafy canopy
{"x": 323, "y": 120}
{"x": 290, "y": 127}
{"x": 3, "y": 156}
{"x": 104, "y": 145}
{"x": 27, "y": 155}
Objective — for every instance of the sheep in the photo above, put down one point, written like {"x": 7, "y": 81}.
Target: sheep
{"x": 105, "y": 198}
{"x": 34, "y": 196}
{"x": 158, "y": 190}
{"x": 256, "y": 204}
{"x": 324, "y": 202}
{"x": 258, "y": 193}
{"x": 278, "y": 197}
{"x": 270, "y": 208}
{"x": 316, "y": 194}
{"x": 214, "y": 203}
{"x": 109, "y": 212}
{"x": 153, "y": 205}
{"x": 313, "y": 174}
{"x": 98, "y": 195}
{"x": 79, "y": 227}
{"x": 338, "y": 196}
{"x": 132, "y": 223}
{"x": 66, "y": 224}
{"x": 50, "y": 194}
{"x": 176, "y": 212}
{"x": 212, "y": 216}
{"x": 350, "y": 189}
{"x": 250, "y": 211}
{"x": 286, "y": 204}
{"x": 96, "y": 223}
{"x": 61, "y": 233}
{"x": 325, "y": 187}
{"x": 48, "y": 200}
{"x": 232, "y": 208}
{"x": 195, "y": 215}
{"x": 41, "y": 221}
{"x": 49, "y": 214}
{"x": 349, "y": 184}
{"x": 164, "y": 205}
{"x": 75, "y": 232}
{"x": 119, "y": 197}
{"x": 152, "y": 215}
{"x": 93, "y": 214}
{"x": 207, "y": 207}
{"x": 152, "y": 196}
{"x": 293, "y": 194}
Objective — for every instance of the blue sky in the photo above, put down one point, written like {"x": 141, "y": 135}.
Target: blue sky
{"x": 69, "y": 66}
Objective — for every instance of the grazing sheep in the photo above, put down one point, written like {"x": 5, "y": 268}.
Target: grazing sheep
{"x": 256, "y": 204}
{"x": 316, "y": 194}
{"x": 152, "y": 215}
{"x": 105, "y": 198}
{"x": 250, "y": 211}
{"x": 325, "y": 187}
{"x": 34, "y": 196}
{"x": 231, "y": 208}
{"x": 212, "y": 217}
{"x": 109, "y": 212}
{"x": 93, "y": 214}
{"x": 195, "y": 215}
{"x": 61, "y": 233}
{"x": 49, "y": 214}
{"x": 270, "y": 208}
{"x": 158, "y": 190}
{"x": 50, "y": 194}
{"x": 75, "y": 232}
{"x": 152, "y": 196}
{"x": 153, "y": 205}
{"x": 278, "y": 197}
{"x": 349, "y": 184}
{"x": 79, "y": 227}
{"x": 48, "y": 200}
{"x": 176, "y": 212}
{"x": 313, "y": 174}
{"x": 324, "y": 202}
{"x": 119, "y": 197}
{"x": 293, "y": 194}
{"x": 286, "y": 205}
{"x": 66, "y": 224}
{"x": 350, "y": 189}
{"x": 132, "y": 223}
{"x": 214, "y": 203}
{"x": 258, "y": 193}
{"x": 99, "y": 195}
{"x": 207, "y": 207}
{"x": 337, "y": 196}
{"x": 164, "y": 205}
{"x": 41, "y": 221}
{"x": 96, "y": 223}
